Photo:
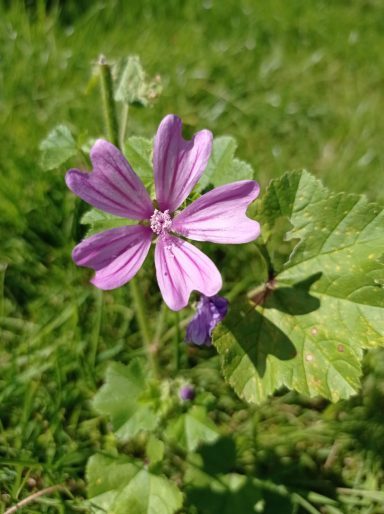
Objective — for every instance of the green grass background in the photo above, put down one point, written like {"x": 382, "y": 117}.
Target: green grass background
{"x": 298, "y": 83}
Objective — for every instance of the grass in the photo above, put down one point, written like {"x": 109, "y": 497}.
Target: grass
{"x": 299, "y": 84}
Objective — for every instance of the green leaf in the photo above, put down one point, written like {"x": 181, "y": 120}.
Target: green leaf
{"x": 118, "y": 485}
{"x": 192, "y": 429}
{"x": 148, "y": 494}
{"x": 133, "y": 87}
{"x": 99, "y": 221}
{"x": 222, "y": 167}
{"x": 155, "y": 449}
{"x": 138, "y": 151}
{"x": 106, "y": 477}
{"x": 228, "y": 493}
{"x": 306, "y": 329}
{"x": 120, "y": 398}
{"x": 57, "y": 147}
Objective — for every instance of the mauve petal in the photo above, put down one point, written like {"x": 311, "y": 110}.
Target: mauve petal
{"x": 112, "y": 186}
{"x": 219, "y": 215}
{"x": 178, "y": 164}
{"x": 116, "y": 255}
{"x": 182, "y": 268}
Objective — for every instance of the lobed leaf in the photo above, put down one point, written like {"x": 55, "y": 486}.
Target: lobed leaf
{"x": 138, "y": 151}
{"x": 222, "y": 167}
{"x": 133, "y": 87}
{"x": 118, "y": 485}
{"x": 120, "y": 399}
{"x": 307, "y": 327}
{"x": 99, "y": 221}
{"x": 57, "y": 147}
{"x": 192, "y": 429}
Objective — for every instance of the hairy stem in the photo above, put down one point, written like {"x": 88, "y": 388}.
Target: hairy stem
{"x": 112, "y": 125}
{"x": 143, "y": 320}
{"x": 108, "y": 101}
{"x": 124, "y": 123}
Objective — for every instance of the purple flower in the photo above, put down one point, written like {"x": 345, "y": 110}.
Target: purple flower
{"x": 209, "y": 312}
{"x": 218, "y": 216}
{"x": 187, "y": 392}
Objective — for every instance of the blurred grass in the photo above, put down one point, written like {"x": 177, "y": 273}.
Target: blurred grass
{"x": 299, "y": 84}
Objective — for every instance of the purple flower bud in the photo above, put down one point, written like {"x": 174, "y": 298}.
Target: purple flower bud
{"x": 187, "y": 392}
{"x": 209, "y": 312}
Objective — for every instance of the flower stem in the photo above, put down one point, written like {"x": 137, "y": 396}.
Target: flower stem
{"x": 112, "y": 126}
{"x": 123, "y": 123}
{"x": 177, "y": 341}
{"x": 108, "y": 101}
{"x": 142, "y": 320}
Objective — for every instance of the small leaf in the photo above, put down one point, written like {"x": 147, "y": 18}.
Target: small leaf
{"x": 227, "y": 494}
{"x": 222, "y": 167}
{"x": 118, "y": 485}
{"x": 105, "y": 477}
{"x": 120, "y": 398}
{"x": 138, "y": 151}
{"x": 210, "y": 492}
{"x": 148, "y": 494}
{"x": 155, "y": 449}
{"x": 133, "y": 85}
{"x": 99, "y": 221}
{"x": 193, "y": 428}
{"x": 57, "y": 147}
{"x": 307, "y": 327}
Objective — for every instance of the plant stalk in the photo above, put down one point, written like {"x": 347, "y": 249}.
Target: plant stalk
{"x": 143, "y": 320}
{"x": 112, "y": 125}
{"x": 109, "y": 106}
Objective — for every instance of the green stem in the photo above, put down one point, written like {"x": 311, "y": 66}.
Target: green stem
{"x": 113, "y": 134}
{"x": 143, "y": 320}
{"x": 95, "y": 333}
{"x": 124, "y": 124}
{"x": 177, "y": 342}
{"x": 108, "y": 101}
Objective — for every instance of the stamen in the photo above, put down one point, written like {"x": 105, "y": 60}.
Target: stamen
{"x": 161, "y": 222}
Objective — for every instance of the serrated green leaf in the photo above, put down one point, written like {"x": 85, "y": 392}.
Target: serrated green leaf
{"x": 133, "y": 87}
{"x": 57, "y": 147}
{"x": 193, "y": 428}
{"x": 118, "y": 485}
{"x": 222, "y": 167}
{"x": 228, "y": 493}
{"x": 148, "y": 494}
{"x": 120, "y": 399}
{"x": 307, "y": 328}
{"x": 99, "y": 221}
{"x": 231, "y": 493}
{"x": 138, "y": 151}
{"x": 107, "y": 473}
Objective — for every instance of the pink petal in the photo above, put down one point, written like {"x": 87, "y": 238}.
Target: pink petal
{"x": 219, "y": 215}
{"x": 182, "y": 268}
{"x": 112, "y": 186}
{"x": 116, "y": 255}
{"x": 178, "y": 164}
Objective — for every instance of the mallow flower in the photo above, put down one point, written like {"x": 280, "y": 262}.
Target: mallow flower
{"x": 209, "y": 312}
{"x": 218, "y": 216}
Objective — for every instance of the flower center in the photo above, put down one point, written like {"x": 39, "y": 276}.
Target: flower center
{"x": 161, "y": 222}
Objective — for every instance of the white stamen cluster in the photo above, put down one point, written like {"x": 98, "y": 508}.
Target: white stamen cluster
{"x": 161, "y": 222}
